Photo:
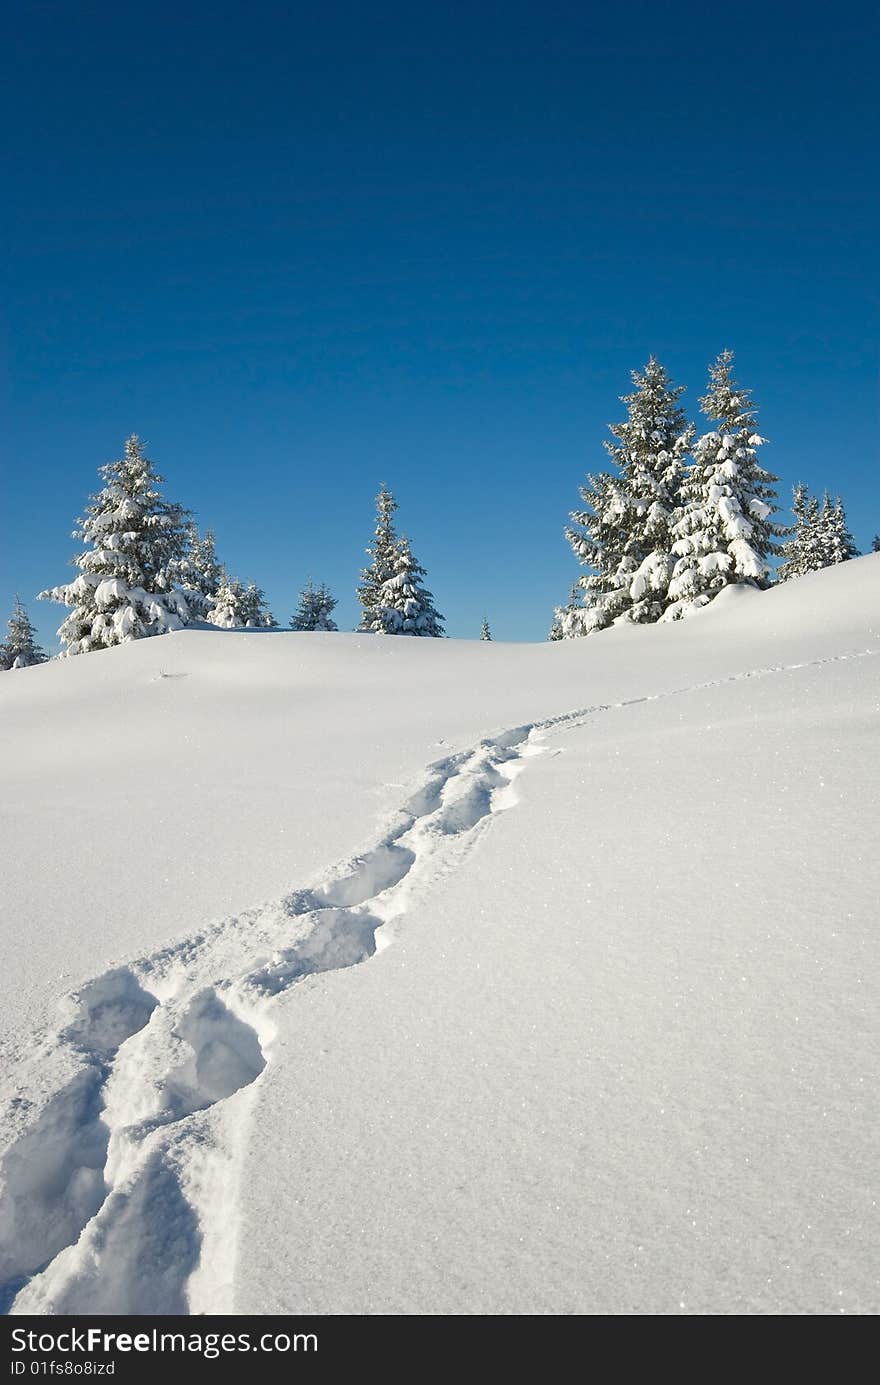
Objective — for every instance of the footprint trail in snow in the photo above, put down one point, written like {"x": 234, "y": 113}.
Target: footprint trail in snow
{"x": 118, "y": 1196}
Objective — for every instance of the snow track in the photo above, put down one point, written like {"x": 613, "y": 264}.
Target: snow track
{"x": 118, "y": 1187}
{"x": 119, "y": 1196}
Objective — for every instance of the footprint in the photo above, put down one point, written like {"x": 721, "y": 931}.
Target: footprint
{"x": 375, "y": 872}
{"x": 106, "y": 1012}
{"x": 226, "y": 1056}
{"x": 53, "y": 1175}
{"x": 340, "y": 938}
{"x": 53, "y": 1178}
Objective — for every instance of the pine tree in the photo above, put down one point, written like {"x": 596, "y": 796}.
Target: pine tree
{"x": 238, "y": 607}
{"x": 404, "y": 606}
{"x": 126, "y": 588}
{"x": 485, "y": 632}
{"x": 202, "y": 572}
{"x": 568, "y": 620}
{"x": 824, "y": 533}
{"x": 795, "y": 549}
{"x": 875, "y": 546}
{"x": 257, "y": 613}
{"x": 835, "y": 541}
{"x": 315, "y": 610}
{"x": 229, "y": 607}
{"x": 724, "y": 531}
{"x": 382, "y": 553}
{"x": 820, "y": 538}
{"x": 595, "y": 535}
{"x": 813, "y": 548}
{"x": 20, "y": 649}
{"x": 624, "y": 534}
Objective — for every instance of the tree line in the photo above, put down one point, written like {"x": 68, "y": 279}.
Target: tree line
{"x": 147, "y": 570}
{"x": 674, "y": 520}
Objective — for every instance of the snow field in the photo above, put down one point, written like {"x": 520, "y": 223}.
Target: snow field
{"x": 225, "y": 1117}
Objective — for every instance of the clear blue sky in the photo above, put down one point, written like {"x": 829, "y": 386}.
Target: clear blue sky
{"x": 305, "y": 248}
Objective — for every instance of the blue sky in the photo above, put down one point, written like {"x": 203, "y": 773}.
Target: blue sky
{"x": 304, "y": 249}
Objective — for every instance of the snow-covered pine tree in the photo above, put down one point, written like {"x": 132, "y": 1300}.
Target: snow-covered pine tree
{"x": 404, "y": 606}
{"x": 229, "y": 605}
{"x": 257, "y": 613}
{"x": 126, "y": 586}
{"x": 824, "y": 533}
{"x": 20, "y": 649}
{"x": 315, "y": 610}
{"x": 845, "y": 544}
{"x": 724, "y": 532}
{"x": 238, "y": 607}
{"x": 795, "y": 548}
{"x": 382, "y": 553}
{"x": 875, "y": 545}
{"x": 201, "y": 570}
{"x": 485, "y": 632}
{"x": 835, "y": 542}
{"x": 624, "y": 534}
{"x": 595, "y": 534}
{"x": 567, "y": 620}
{"x": 812, "y": 547}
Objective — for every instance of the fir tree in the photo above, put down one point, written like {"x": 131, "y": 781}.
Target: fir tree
{"x": 724, "y": 531}
{"x": 835, "y": 542}
{"x": 126, "y": 587}
{"x": 404, "y": 606}
{"x": 812, "y": 545}
{"x": 229, "y": 606}
{"x": 875, "y": 546}
{"x": 795, "y": 550}
{"x": 315, "y": 610}
{"x": 20, "y": 649}
{"x": 257, "y": 613}
{"x": 485, "y": 632}
{"x": 382, "y": 553}
{"x": 595, "y": 536}
{"x": 624, "y": 533}
{"x": 820, "y": 537}
{"x": 202, "y": 572}
{"x": 568, "y": 620}
{"x": 238, "y": 607}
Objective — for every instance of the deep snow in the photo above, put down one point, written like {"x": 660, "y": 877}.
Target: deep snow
{"x": 611, "y": 1052}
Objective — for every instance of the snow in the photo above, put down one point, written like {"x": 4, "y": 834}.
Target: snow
{"x": 349, "y": 974}
{"x": 112, "y": 589}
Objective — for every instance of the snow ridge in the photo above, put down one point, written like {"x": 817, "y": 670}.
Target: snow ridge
{"x": 119, "y": 1191}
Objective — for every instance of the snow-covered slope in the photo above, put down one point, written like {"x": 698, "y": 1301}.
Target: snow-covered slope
{"x": 611, "y": 1051}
